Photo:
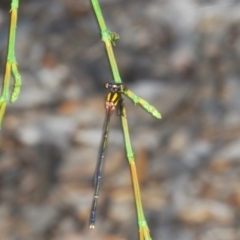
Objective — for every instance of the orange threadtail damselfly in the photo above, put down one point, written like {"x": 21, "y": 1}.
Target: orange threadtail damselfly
{"x": 113, "y": 98}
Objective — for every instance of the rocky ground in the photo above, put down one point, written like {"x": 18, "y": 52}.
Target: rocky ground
{"x": 183, "y": 57}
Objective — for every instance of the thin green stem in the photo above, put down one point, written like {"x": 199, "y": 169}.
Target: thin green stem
{"x": 137, "y": 100}
{"x": 109, "y": 39}
{"x": 142, "y": 223}
{"x": 11, "y": 64}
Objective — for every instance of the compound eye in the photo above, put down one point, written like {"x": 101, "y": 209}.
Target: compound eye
{"x": 122, "y": 86}
{"x": 106, "y": 85}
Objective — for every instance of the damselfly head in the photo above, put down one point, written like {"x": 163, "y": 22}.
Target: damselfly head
{"x": 114, "y": 87}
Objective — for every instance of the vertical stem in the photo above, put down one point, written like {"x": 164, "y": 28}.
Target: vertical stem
{"x": 142, "y": 223}
{"x": 12, "y": 32}
{"x": 11, "y": 51}
{"x": 11, "y": 64}
{"x": 107, "y": 38}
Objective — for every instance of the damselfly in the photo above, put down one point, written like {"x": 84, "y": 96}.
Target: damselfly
{"x": 113, "y": 99}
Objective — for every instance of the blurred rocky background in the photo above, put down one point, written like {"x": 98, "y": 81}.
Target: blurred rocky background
{"x": 183, "y": 57}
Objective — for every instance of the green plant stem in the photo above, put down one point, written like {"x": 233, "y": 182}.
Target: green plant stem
{"x": 11, "y": 64}
{"x": 142, "y": 223}
{"x": 109, "y": 39}
{"x": 143, "y": 103}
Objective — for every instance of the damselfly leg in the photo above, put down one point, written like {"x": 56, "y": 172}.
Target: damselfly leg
{"x": 112, "y": 100}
